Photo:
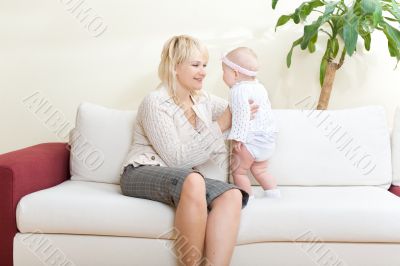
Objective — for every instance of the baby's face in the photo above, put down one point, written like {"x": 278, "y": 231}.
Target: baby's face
{"x": 228, "y": 76}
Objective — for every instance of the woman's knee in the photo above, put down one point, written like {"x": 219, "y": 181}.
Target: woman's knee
{"x": 232, "y": 197}
{"x": 194, "y": 188}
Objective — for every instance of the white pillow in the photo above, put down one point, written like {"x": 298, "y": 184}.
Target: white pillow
{"x": 99, "y": 143}
{"x": 396, "y": 148}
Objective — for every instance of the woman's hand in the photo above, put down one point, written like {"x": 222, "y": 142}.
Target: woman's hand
{"x": 253, "y": 109}
{"x": 236, "y": 145}
{"x": 225, "y": 120}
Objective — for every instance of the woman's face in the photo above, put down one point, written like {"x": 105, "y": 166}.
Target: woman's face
{"x": 191, "y": 73}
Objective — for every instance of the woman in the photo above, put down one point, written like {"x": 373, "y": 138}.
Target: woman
{"x": 179, "y": 127}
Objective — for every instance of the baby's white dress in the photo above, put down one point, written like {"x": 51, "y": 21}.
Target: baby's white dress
{"x": 258, "y": 134}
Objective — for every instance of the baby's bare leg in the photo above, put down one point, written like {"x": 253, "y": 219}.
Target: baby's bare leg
{"x": 240, "y": 165}
{"x": 260, "y": 173}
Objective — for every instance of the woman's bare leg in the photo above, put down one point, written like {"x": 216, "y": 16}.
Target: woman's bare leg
{"x": 222, "y": 228}
{"x": 191, "y": 220}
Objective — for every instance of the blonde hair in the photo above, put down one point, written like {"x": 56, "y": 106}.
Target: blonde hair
{"x": 176, "y": 50}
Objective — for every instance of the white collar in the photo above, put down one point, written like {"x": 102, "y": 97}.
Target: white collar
{"x": 198, "y": 104}
{"x": 164, "y": 96}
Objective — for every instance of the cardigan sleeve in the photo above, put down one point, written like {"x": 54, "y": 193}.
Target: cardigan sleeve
{"x": 218, "y": 106}
{"x": 160, "y": 129}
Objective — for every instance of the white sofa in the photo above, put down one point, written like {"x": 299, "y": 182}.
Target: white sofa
{"x": 333, "y": 168}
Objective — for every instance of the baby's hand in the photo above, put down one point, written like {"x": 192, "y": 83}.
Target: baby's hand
{"x": 237, "y": 145}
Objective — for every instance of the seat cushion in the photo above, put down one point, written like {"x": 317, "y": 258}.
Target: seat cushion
{"x": 332, "y": 214}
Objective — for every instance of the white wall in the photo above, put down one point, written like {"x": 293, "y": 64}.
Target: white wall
{"x": 48, "y": 53}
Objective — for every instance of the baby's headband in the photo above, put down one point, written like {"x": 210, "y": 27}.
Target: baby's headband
{"x": 238, "y": 68}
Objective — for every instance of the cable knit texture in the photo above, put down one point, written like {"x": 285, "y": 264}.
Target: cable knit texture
{"x": 242, "y": 126}
{"x": 163, "y": 136}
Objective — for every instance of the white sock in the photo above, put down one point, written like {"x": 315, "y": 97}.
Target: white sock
{"x": 272, "y": 193}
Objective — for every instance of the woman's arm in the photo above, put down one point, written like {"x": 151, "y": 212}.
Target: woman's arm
{"x": 218, "y": 106}
{"x": 161, "y": 131}
{"x": 225, "y": 120}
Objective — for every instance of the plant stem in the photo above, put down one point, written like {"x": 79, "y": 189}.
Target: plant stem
{"x": 327, "y": 86}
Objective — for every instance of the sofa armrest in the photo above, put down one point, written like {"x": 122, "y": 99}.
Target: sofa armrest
{"x": 23, "y": 172}
{"x": 395, "y": 190}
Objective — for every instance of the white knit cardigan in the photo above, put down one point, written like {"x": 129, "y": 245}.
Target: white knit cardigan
{"x": 163, "y": 136}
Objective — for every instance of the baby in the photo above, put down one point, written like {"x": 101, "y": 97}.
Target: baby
{"x": 253, "y": 139}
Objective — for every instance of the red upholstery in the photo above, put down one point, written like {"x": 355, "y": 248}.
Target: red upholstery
{"x": 395, "y": 190}
{"x": 23, "y": 172}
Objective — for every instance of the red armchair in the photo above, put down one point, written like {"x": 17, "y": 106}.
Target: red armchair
{"x": 23, "y": 172}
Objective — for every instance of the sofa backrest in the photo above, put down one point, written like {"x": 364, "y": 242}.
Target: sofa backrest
{"x": 332, "y": 148}
{"x": 396, "y": 148}
{"x": 314, "y": 148}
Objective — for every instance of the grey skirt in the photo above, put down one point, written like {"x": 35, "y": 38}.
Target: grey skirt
{"x": 164, "y": 184}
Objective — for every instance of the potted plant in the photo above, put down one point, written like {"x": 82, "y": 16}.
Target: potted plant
{"x": 343, "y": 23}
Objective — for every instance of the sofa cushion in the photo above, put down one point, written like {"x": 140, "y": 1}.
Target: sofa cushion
{"x": 332, "y": 148}
{"x": 396, "y": 148}
{"x": 99, "y": 143}
{"x": 342, "y": 214}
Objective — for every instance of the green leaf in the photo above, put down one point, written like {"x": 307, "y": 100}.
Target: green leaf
{"x": 310, "y": 31}
{"x": 304, "y": 11}
{"x": 311, "y": 45}
{"x": 289, "y": 55}
{"x": 393, "y": 51}
{"x": 316, "y": 3}
{"x": 367, "y": 41}
{"x": 392, "y": 33}
{"x": 324, "y": 62}
{"x": 393, "y": 37}
{"x": 364, "y": 30}
{"x": 377, "y": 16}
{"x": 282, "y": 20}
{"x": 322, "y": 70}
{"x": 365, "y": 25}
{"x": 335, "y": 47}
{"x": 395, "y": 10}
{"x": 274, "y": 2}
{"x": 350, "y": 33}
{"x": 391, "y": 19}
{"x": 330, "y": 7}
{"x": 307, "y": 7}
{"x": 368, "y": 6}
